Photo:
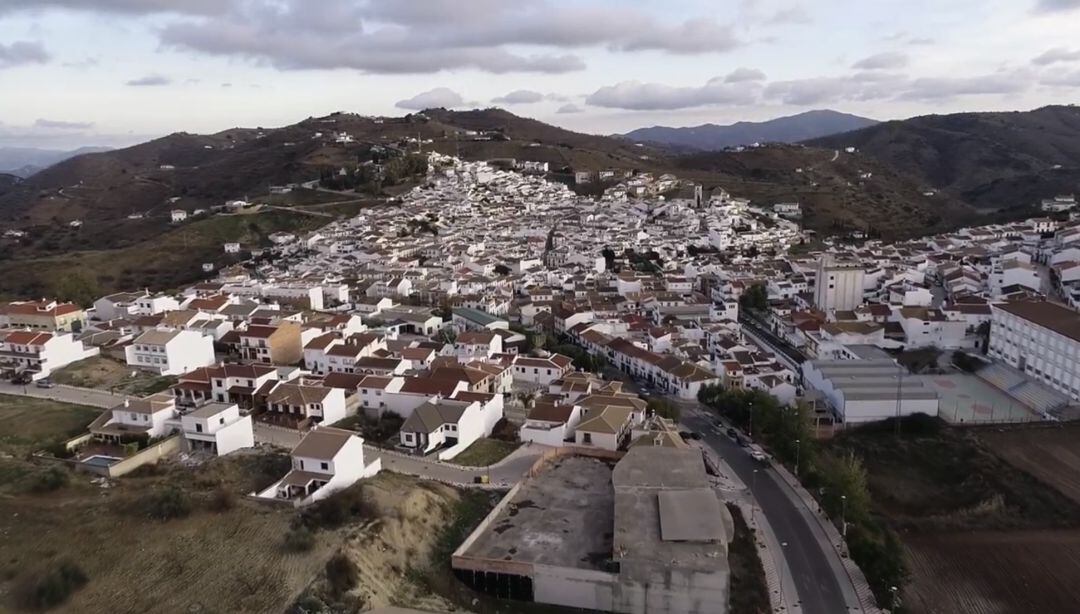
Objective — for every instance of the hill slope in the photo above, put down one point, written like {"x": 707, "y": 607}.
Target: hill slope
{"x": 123, "y": 197}
{"x": 991, "y": 160}
{"x": 25, "y": 161}
{"x": 792, "y": 129}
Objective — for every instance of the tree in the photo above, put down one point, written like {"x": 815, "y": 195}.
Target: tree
{"x": 502, "y": 269}
{"x": 665, "y": 408}
{"x": 77, "y": 287}
{"x": 755, "y": 297}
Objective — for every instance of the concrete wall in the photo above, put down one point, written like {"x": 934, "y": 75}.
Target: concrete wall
{"x": 548, "y": 437}
{"x": 574, "y": 588}
{"x": 148, "y": 456}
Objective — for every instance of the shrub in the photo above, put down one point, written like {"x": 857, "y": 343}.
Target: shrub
{"x": 55, "y": 586}
{"x": 169, "y": 503}
{"x": 222, "y": 500}
{"x": 299, "y": 539}
{"x": 53, "y": 478}
{"x": 337, "y": 509}
{"x": 341, "y": 574}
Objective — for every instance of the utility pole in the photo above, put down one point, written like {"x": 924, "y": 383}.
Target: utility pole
{"x": 797, "y": 458}
{"x": 899, "y": 394}
{"x": 843, "y": 515}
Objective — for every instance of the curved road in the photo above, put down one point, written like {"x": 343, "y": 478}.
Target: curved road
{"x": 814, "y": 565}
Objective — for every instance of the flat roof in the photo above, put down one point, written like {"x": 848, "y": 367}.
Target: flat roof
{"x": 564, "y": 516}
{"x": 690, "y": 516}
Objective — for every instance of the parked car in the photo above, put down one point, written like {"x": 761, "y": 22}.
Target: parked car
{"x": 21, "y": 379}
{"x": 45, "y": 383}
{"x": 739, "y": 439}
{"x": 695, "y": 435}
{"x": 732, "y": 433}
{"x": 757, "y": 453}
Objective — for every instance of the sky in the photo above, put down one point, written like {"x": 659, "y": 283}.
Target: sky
{"x": 117, "y": 72}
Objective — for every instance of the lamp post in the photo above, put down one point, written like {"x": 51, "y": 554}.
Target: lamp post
{"x": 797, "y": 446}
{"x": 783, "y": 557}
{"x": 895, "y": 599}
{"x": 843, "y": 515}
{"x": 750, "y": 430}
{"x": 753, "y": 504}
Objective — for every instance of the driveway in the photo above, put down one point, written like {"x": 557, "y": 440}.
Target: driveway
{"x": 66, "y": 394}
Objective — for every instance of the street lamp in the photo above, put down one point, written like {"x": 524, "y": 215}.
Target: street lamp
{"x": 783, "y": 557}
{"x": 753, "y": 504}
{"x": 843, "y": 515}
{"x": 894, "y": 602}
{"x": 750, "y": 430}
{"x": 797, "y": 446}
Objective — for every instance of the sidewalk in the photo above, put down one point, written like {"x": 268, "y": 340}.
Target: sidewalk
{"x": 862, "y": 593}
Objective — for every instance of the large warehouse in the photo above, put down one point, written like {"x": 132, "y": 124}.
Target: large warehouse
{"x": 866, "y": 390}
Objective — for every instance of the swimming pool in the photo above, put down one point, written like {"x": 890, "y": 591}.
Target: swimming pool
{"x": 100, "y": 460}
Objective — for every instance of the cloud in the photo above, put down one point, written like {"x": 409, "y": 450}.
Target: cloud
{"x": 52, "y": 124}
{"x": 22, "y": 52}
{"x": 149, "y": 81}
{"x": 1057, "y": 54}
{"x": 882, "y": 61}
{"x": 1062, "y": 79}
{"x": 438, "y": 97}
{"x": 569, "y": 108}
{"x": 637, "y": 96}
{"x": 412, "y": 37}
{"x": 937, "y": 88}
{"x": 742, "y": 75}
{"x": 132, "y": 7}
{"x": 519, "y": 97}
{"x": 793, "y": 15}
{"x": 921, "y": 41}
{"x": 1054, "y": 6}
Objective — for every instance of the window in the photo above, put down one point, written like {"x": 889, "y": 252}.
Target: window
{"x": 324, "y": 466}
{"x": 586, "y": 437}
{"x": 198, "y": 428}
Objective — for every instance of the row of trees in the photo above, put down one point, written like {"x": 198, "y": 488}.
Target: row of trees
{"x": 839, "y": 481}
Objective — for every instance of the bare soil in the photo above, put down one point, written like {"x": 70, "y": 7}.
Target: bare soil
{"x": 1049, "y": 454}
{"x": 990, "y": 572}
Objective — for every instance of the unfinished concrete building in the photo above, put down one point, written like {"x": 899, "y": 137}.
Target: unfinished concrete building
{"x": 645, "y": 534}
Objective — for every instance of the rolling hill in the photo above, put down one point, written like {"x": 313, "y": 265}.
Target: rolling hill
{"x": 990, "y": 160}
{"x": 123, "y": 197}
{"x": 791, "y": 129}
{"x": 25, "y": 161}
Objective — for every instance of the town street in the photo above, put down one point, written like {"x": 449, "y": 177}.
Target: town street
{"x": 819, "y": 576}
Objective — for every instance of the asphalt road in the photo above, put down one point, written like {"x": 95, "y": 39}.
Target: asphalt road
{"x": 814, "y": 577}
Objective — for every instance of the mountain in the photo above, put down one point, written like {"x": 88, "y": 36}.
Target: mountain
{"x": 791, "y": 129}
{"x": 999, "y": 161}
{"x": 25, "y": 161}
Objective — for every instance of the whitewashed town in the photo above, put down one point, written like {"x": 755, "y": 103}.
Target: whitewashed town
{"x": 492, "y": 305}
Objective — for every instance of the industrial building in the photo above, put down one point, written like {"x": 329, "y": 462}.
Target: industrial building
{"x": 860, "y": 391}
{"x": 839, "y": 286}
{"x": 1040, "y": 339}
{"x": 647, "y": 535}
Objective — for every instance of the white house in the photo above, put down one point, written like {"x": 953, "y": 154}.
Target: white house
{"x": 218, "y": 428}
{"x": 453, "y": 424}
{"x": 473, "y": 344}
{"x": 178, "y": 215}
{"x": 299, "y": 402}
{"x": 325, "y": 461}
{"x": 41, "y": 353}
{"x": 170, "y": 352}
{"x": 149, "y": 417}
{"x": 608, "y": 420}
{"x": 550, "y": 424}
{"x": 153, "y": 304}
{"x": 540, "y": 371}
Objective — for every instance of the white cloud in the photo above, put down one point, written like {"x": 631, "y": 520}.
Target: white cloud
{"x": 52, "y": 124}
{"x": 149, "y": 81}
{"x": 135, "y": 7}
{"x": 638, "y": 96}
{"x": 438, "y": 97}
{"x": 1057, "y": 54}
{"x": 569, "y": 108}
{"x": 22, "y": 52}
{"x": 519, "y": 97}
{"x": 742, "y": 75}
{"x": 1054, "y": 6}
{"x": 888, "y": 60}
{"x": 792, "y": 15}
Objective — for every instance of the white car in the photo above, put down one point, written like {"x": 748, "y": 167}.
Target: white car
{"x": 757, "y": 453}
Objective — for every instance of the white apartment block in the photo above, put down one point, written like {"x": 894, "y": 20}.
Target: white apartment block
{"x": 1040, "y": 338}
{"x": 838, "y": 286}
{"x": 170, "y": 352}
{"x": 41, "y": 353}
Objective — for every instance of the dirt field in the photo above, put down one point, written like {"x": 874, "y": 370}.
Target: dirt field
{"x": 108, "y": 374}
{"x": 1049, "y": 454}
{"x": 994, "y": 572}
{"x": 27, "y": 423}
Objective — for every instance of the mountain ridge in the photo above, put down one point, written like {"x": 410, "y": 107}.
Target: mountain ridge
{"x": 787, "y": 129}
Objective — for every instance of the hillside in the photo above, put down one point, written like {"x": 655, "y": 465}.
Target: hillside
{"x": 25, "y": 161}
{"x": 791, "y": 129}
{"x": 122, "y": 198}
{"x": 990, "y": 160}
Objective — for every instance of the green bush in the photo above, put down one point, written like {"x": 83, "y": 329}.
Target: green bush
{"x": 299, "y": 539}
{"x": 336, "y": 510}
{"x": 341, "y": 574}
{"x": 55, "y": 586}
{"x": 168, "y": 504}
{"x": 53, "y": 478}
{"x": 222, "y": 500}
